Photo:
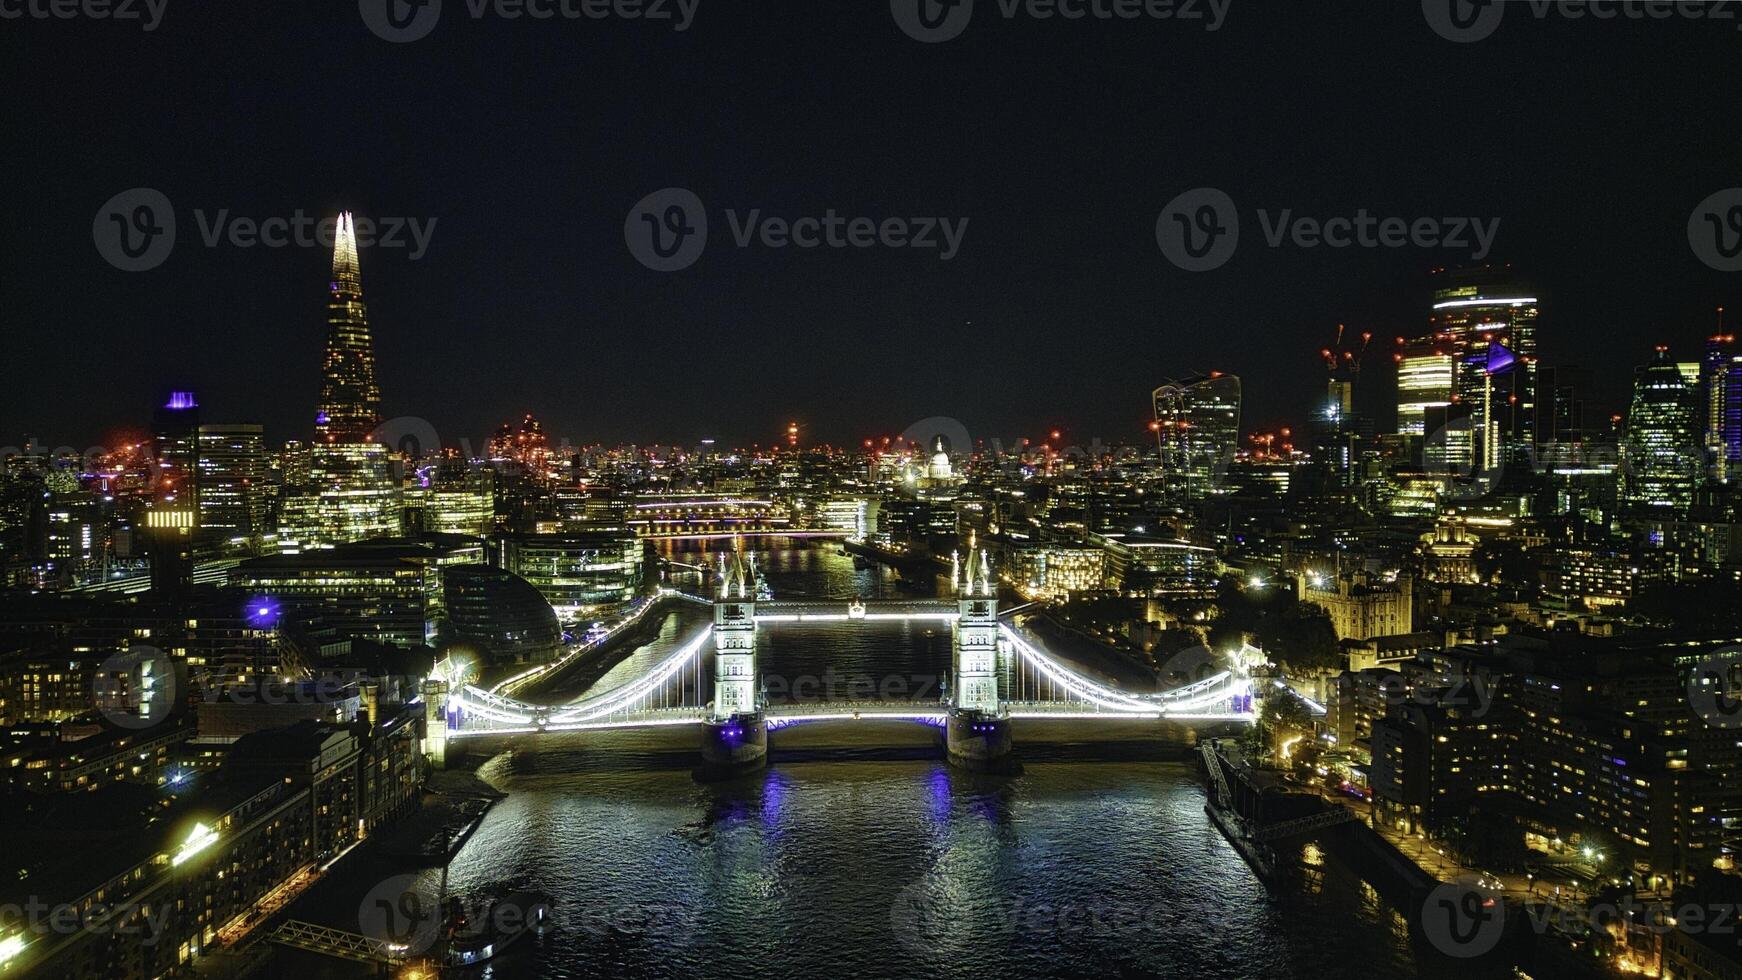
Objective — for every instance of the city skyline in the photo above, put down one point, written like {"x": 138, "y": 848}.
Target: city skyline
{"x": 1385, "y": 383}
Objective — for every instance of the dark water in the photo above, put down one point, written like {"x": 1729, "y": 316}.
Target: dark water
{"x": 905, "y": 868}
{"x": 890, "y": 863}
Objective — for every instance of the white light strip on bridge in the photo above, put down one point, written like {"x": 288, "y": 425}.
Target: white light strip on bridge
{"x": 1174, "y": 708}
{"x": 1209, "y": 691}
{"x": 635, "y": 690}
{"x": 1132, "y": 716}
{"x": 935, "y": 717}
{"x": 843, "y": 617}
{"x": 473, "y": 732}
{"x": 1317, "y": 708}
{"x": 577, "y": 649}
{"x": 1193, "y": 688}
{"x": 1072, "y": 682}
{"x": 483, "y": 703}
{"x": 1180, "y": 703}
{"x": 1110, "y": 715}
{"x": 588, "y": 726}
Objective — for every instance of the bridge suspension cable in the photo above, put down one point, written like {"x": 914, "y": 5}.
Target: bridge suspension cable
{"x": 1080, "y": 687}
{"x": 674, "y": 691}
{"x": 633, "y": 694}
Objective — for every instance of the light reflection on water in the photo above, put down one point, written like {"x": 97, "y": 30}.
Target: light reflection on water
{"x": 874, "y": 866}
{"x": 903, "y": 868}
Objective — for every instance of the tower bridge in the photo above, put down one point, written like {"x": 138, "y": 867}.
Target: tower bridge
{"x": 997, "y": 674}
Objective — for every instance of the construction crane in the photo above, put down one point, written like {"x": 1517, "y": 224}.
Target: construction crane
{"x": 1338, "y": 357}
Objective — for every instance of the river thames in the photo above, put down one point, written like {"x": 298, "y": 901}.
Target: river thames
{"x": 858, "y": 852}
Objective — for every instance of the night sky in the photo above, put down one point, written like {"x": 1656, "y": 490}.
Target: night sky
{"x": 528, "y": 141}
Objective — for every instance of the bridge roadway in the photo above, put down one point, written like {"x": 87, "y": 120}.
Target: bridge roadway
{"x": 869, "y": 610}
{"x": 781, "y": 716}
{"x": 1222, "y": 697}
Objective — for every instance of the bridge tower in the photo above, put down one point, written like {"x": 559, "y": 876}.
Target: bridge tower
{"x": 977, "y": 733}
{"x": 435, "y": 721}
{"x": 736, "y": 735}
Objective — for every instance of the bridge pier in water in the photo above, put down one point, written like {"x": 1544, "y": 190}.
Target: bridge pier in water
{"x": 979, "y": 742}
{"x": 734, "y": 746}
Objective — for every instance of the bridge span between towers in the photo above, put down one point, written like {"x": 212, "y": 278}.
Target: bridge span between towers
{"x": 997, "y": 674}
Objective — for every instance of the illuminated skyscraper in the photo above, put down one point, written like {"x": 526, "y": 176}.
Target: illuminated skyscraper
{"x": 1198, "y": 431}
{"x": 1732, "y": 434}
{"x": 1475, "y": 310}
{"x": 1718, "y": 379}
{"x": 176, "y": 442}
{"x": 1663, "y": 452}
{"x": 173, "y": 514}
{"x": 1425, "y": 375}
{"x": 235, "y": 484}
{"x": 455, "y": 498}
{"x": 350, "y": 406}
{"x": 350, "y": 492}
